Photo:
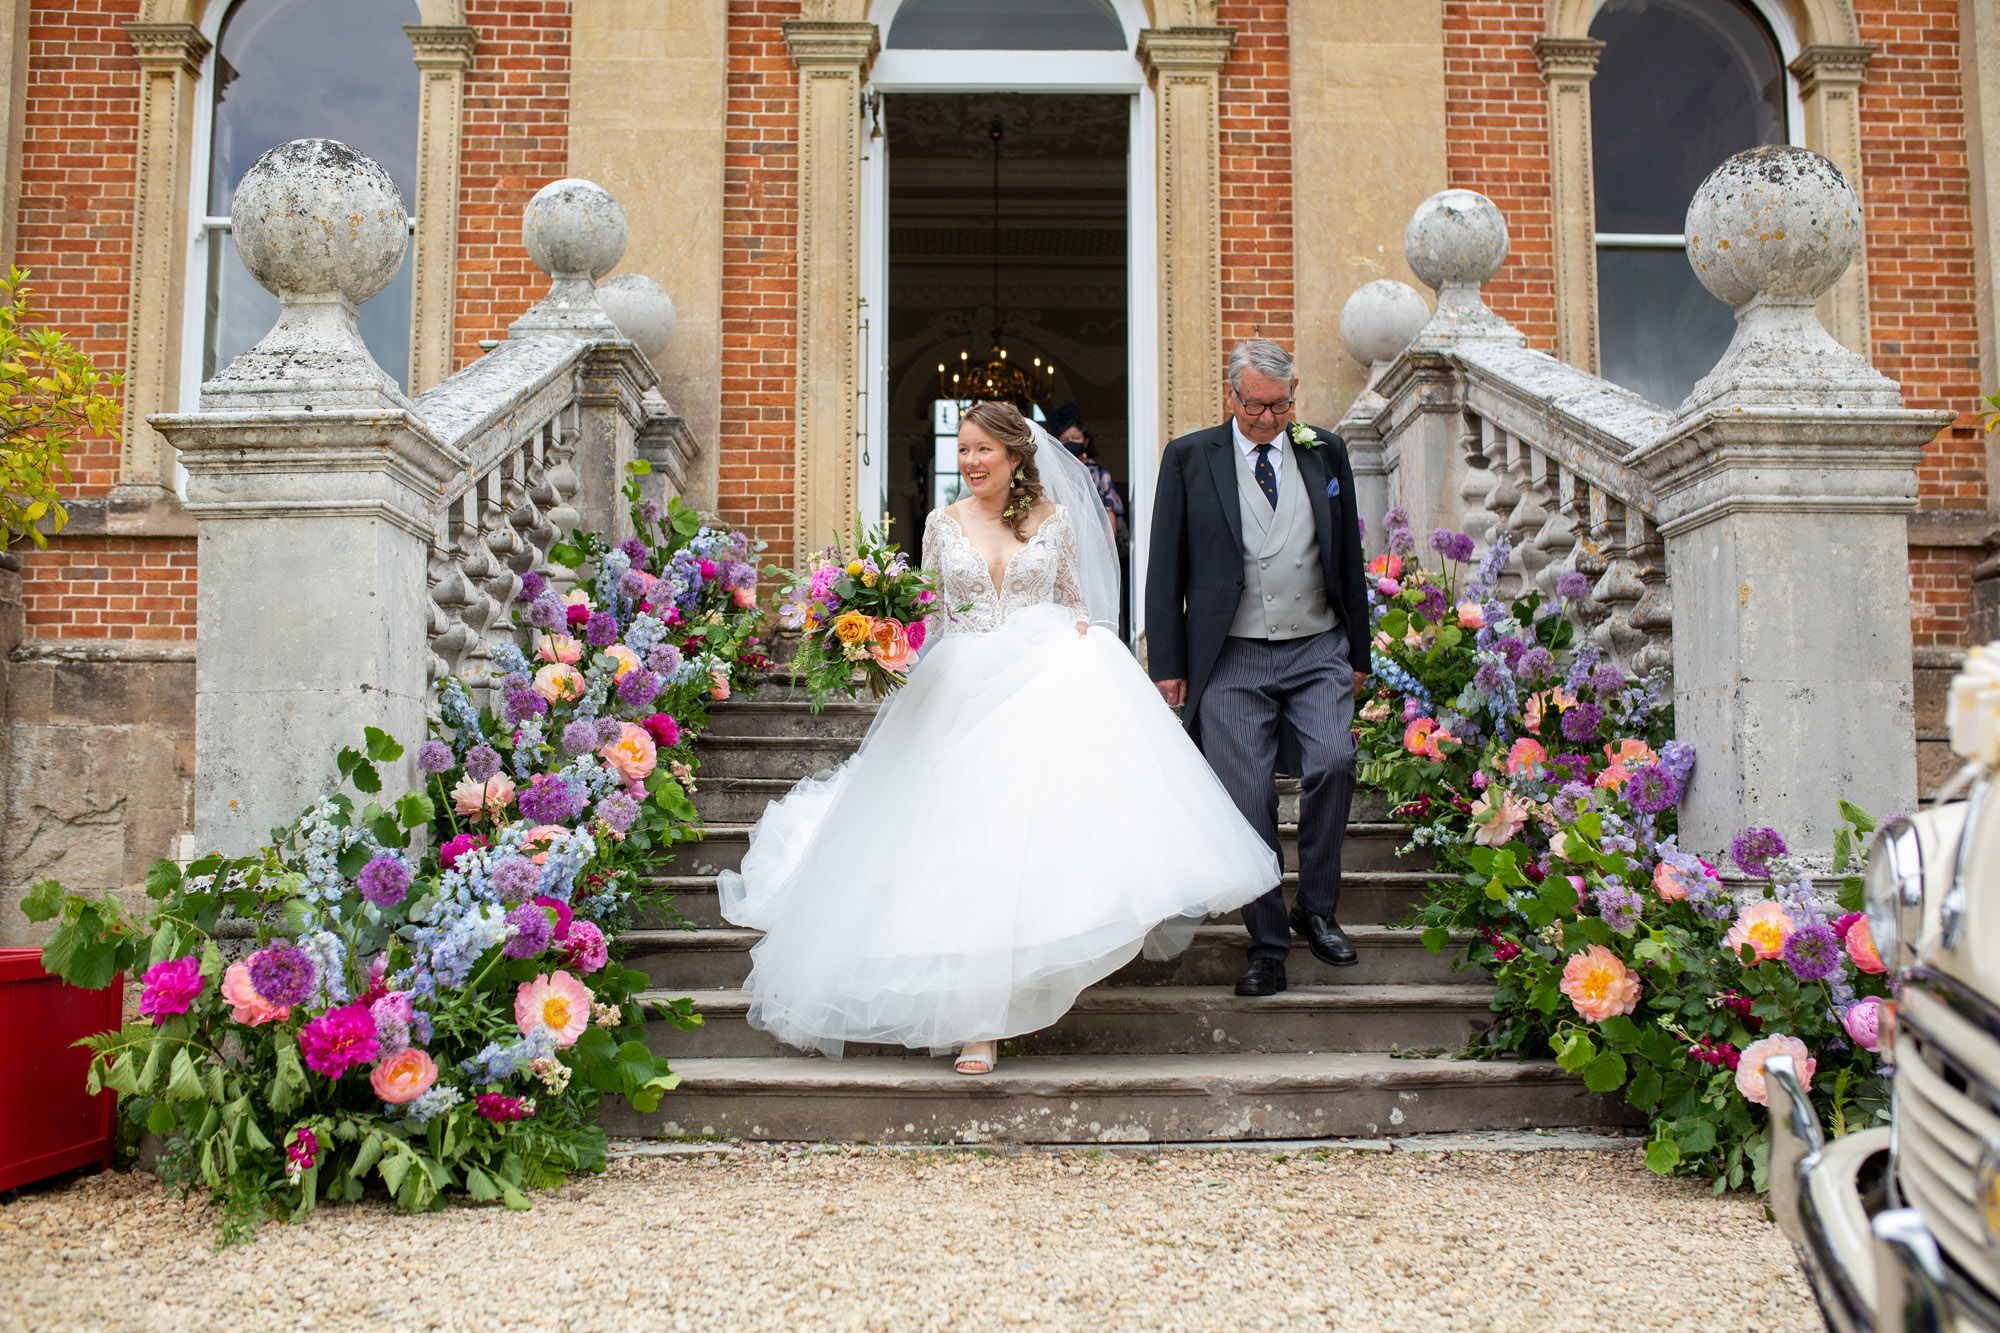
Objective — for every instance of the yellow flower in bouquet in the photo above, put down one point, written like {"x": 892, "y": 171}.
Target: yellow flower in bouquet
{"x": 852, "y": 627}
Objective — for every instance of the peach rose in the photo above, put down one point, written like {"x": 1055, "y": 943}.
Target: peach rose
{"x": 246, "y": 1006}
{"x": 578, "y": 597}
{"x": 1860, "y": 943}
{"x": 633, "y": 754}
{"x": 404, "y": 1076}
{"x": 559, "y": 681}
{"x": 1764, "y": 926}
{"x": 469, "y": 798}
{"x": 1667, "y": 882}
{"x": 558, "y": 648}
{"x": 1750, "y": 1066}
{"x": 1599, "y": 984}
{"x": 745, "y": 597}
{"x": 540, "y": 836}
{"x": 1424, "y": 736}
{"x": 892, "y": 645}
{"x": 1471, "y": 615}
{"x": 718, "y": 687}
{"x": 1497, "y": 817}
{"x": 1625, "y": 756}
{"x": 1527, "y": 755}
{"x": 628, "y": 661}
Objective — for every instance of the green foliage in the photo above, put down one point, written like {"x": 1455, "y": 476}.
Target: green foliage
{"x": 51, "y": 396}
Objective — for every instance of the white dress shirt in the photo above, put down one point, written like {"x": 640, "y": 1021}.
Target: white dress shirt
{"x": 1250, "y": 447}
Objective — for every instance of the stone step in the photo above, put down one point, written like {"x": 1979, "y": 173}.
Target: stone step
{"x": 1366, "y": 895}
{"x": 1113, "y": 1099}
{"x": 1162, "y": 1020}
{"x": 709, "y": 959}
{"x": 770, "y": 714}
{"x": 784, "y": 757}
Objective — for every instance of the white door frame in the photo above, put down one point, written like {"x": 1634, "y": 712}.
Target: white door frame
{"x": 871, "y": 476}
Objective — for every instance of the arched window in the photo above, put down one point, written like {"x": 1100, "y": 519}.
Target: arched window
{"x": 297, "y": 69}
{"x": 1681, "y": 85}
{"x": 1020, "y": 25}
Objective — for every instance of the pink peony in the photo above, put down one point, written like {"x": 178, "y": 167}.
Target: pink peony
{"x": 558, "y": 648}
{"x": 1497, "y": 817}
{"x": 915, "y": 632}
{"x": 556, "y": 1003}
{"x": 1750, "y": 1066}
{"x": 539, "y": 837}
{"x": 564, "y": 916}
{"x": 1669, "y": 883}
{"x": 1863, "y": 1021}
{"x": 1599, "y": 984}
{"x": 170, "y": 988}
{"x": 404, "y": 1076}
{"x": 246, "y": 1006}
{"x": 1527, "y": 755}
{"x": 719, "y": 684}
{"x": 633, "y": 754}
{"x": 470, "y": 798}
{"x": 586, "y": 951}
{"x": 339, "y": 1039}
{"x": 627, "y": 660}
{"x": 559, "y": 681}
{"x": 745, "y": 597}
{"x": 1623, "y": 757}
{"x": 892, "y": 644}
{"x": 1860, "y": 941}
{"x": 1764, "y": 926}
{"x": 1424, "y": 736}
{"x": 1471, "y": 616}
{"x": 666, "y": 732}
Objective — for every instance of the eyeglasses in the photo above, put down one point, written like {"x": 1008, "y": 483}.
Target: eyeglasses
{"x": 1255, "y": 410}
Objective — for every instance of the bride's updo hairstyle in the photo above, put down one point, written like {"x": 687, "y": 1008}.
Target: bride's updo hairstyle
{"x": 1009, "y": 429}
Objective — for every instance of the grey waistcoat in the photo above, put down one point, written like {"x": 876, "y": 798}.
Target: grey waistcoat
{"x": 1284, "y": 594}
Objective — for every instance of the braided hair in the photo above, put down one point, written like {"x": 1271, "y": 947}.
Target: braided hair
{"x": 1009, "y": 429}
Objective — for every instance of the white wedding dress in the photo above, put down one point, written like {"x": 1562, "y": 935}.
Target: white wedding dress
{"x": 1024, "y": 815}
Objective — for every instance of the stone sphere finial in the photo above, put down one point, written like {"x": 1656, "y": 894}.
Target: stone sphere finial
{"x": 572, "y": 227}
{"x": 1777, "y": 221}
{"x": 315, "y": 217}
{"x": 1456, "y": 238}
{"x": 1380, "y": 319}
{"x": 641, "y": 309}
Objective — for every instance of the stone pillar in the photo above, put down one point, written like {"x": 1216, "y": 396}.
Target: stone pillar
{"x": 1979, "y": 69}
{"x": 1830, "y": 90}
{"x": 1376, "y": 324}
{"x": 833, "y": 60}
{"x": 313, "y": 484}
{"x": 169, "y": 56}
{"x": 443, "y": 50}
{"x": 13, "y": 130}
{"x": 1568, "y": 64}
{"x": 1185, "y": 65}
{"x": 1783, "y": 489}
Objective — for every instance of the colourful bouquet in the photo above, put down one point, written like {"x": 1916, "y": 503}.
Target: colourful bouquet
{"x": 862, "y": 617}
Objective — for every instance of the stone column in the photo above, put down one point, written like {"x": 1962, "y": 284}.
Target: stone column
{"x": 14, "y": 17}
{"x": 443, "y": 50}
{"x": 1979, "y": 70}
{"x": 1376, "y": 324}
{"x": 1830, "y": 89}
{"x": 313, "y": 484}
{"x": 833, "y": 60}
{"x": 169, "y": 56}
{"x": 1568, "y": 64}
{"x": 1783, "y": 489}
{"x": 1185, "y": 65}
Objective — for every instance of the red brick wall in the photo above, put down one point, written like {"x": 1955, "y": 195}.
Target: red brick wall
{"x": 1256, "y": 175}
{"x": 759, "y": 275}
{"x": 516, "y": 140}
{"x": 110, "y": 588}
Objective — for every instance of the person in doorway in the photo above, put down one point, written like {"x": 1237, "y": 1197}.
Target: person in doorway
{"x": 1256, "y": 614}
{"x": 1067, "y": 426}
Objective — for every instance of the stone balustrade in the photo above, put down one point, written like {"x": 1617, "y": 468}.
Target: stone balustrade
{"x": 1750, "y": 543}
{"x": 354, "y": 545}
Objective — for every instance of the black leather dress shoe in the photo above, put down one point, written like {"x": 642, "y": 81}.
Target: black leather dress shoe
{"x": 1326, "y": 939}
{"x": 1264, "y": 976}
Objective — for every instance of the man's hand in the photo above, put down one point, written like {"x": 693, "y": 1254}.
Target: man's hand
{"x": 1360, "y": 680}
{"x": 1173, "y": 691}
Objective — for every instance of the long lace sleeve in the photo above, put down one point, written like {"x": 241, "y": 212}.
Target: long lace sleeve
{"x": 1068, "y": 590}
{"x": 933, "y": 563}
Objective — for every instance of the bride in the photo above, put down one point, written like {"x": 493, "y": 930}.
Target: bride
{"x": 1025, "y": 814}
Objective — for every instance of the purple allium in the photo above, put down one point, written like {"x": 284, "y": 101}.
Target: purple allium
{"x": 1433, "y": 606}
{"x": 1510, "y": 650}
{"x": 533, "y": 585}
{"x": 1753, "y": 848}
{"x": 549, "y": 800}
{"x": 1607, "y": 679}
{"x": 515, "y": 879}
{"x": 393, "y": 1016}
{"x": 522, "y": 705}
{"x": 1489, "y": 678}
{"x": 1441, "y": 539}
{"x": 532, "y": 931}
{"x": 1402, "y": 542}
{"x": 1570, "y": 767}
{"x": 618, "y": 810}
{"x": 601, "y": 630}
{"x": 1619, "y": 906}
{"x": 1813, "y": 952}
{"x": 1536, "y": 662}
{"x": 650, "y": 510}
{"x": 1462, "y": 549}
{"x": 1652, "y": 790}
{"x": 665, "y": 659}
{"x": 632, "y": 585}
{"x": 638, "y": 688}
{"x": 579, "y": 737}
{"x": 635, "y": 550}
{"x": 339, "y": 1039}
{"x": 1397, "y": 517}
{"x": 609, "y": 729}
{"x": 1569, "y": 803}
{"x": 1573, "y": 585}
{"x": 547, "y": 613}
{"x": 282, "y": 973}
{"x": 1580, "y": 722}
{"x": 515, "y": 680}
{"x": 385, "y": 881}
{"x": 482, "y": 762}
{"x": 436, "y": 757}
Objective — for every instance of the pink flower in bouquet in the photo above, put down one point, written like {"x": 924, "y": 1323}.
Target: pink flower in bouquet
{"x": 633, "y": 753}
{"x": 1669, "y": 883}
{"x": 1764, "y": 926}
{"x": 1423, "y": 736}
{"x": 565, "y": 916}
{"x": 719, "y": 688}
{"x": 462, "y": 845}
{"x": 1527, "y": 755}
{"x": 1860, "y": 942}
{"x": 339, "y": 1039}
{"x": 559, "y": 681}
{"x": 556, "y": 1003}
{"x": 628, "y": 661}
{"x": 539, "y": 837}
{"x": 666, "y": 732}
{"x": 246, "y": 1006}
{"x": 1863, "y": 1021}
{"x": 1386, "y": 567}
{"x": 1750, "y": 1066}
{"x": 708, "y": 569}
{"x": 578, "y": 597}
{"x": 170, "y": 988}
{"x": 1498, "y": 815}
{"x": 1480, "y": 782}
{"x": 891, "y": 646}
{"x": 745, "y": 597}
{"x": 926, "y": 597}
{"x": 558, "y": 648}
{"x": 915, "y": 633}
{"x": 1599, "y": 984}
{"x": 495, "y": 794}
{"x": 1471, "y": 615}
{"x": 1625, "y": 756}
{"x": 404, "y": 1076}
{"x": 585, "y": 949}
{"x": 1388, "y": 587}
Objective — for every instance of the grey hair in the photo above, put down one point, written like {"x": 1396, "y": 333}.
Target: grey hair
{"x": 1264, "y": 357}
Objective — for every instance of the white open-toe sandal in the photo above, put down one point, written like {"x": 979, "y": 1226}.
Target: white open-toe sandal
{"x": 975, "y": 1064}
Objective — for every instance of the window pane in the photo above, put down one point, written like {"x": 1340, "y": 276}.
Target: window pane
{"x": 1681, "y": 86}
{"x": 1658, "y": 329}
{"x": 240, "y": 312}
{"x": 1019, "y": 25}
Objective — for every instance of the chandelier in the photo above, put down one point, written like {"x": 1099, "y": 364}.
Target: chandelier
{"x": 996, "y": 378}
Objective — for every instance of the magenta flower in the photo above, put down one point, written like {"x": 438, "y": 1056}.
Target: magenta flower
{"x": 340, "y": 1039}
{"x": 500, "y": 1108}
{"x": 585, "y": 949}
{"x": 563, "y": 915}
{"x": 170, "y": 988}
{"x": 302, "y": 1151}
{"x": 459, "y": 846}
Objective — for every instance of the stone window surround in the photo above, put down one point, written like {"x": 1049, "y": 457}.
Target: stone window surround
{"x": 1827, "y": 69}
{"x": 172, "y": 45}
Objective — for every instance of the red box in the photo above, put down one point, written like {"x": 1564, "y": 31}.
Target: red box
{"x": 48, "y": 1123}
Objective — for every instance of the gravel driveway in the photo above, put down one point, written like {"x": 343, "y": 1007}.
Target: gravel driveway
{"x": 893, "y": 1240}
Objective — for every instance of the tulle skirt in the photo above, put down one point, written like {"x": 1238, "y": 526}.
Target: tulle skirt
{"x": 1023, "y": 818}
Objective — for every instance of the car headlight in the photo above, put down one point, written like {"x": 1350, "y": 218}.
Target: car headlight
{"x": 1894, "y": 895}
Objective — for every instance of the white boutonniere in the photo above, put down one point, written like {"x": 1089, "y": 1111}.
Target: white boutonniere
{"x": 1305, "y": 437}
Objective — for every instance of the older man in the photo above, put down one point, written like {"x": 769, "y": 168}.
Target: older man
{"x": 1256, "y": 613}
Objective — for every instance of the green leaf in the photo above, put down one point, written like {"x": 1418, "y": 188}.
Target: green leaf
{"x": 43, "y": 901}
{"x": 1644, "y": 1090}
{"x": 480, "y": 1185}
{"x": 396, "y": 1166}
{"x": 416, "y": 809}
{"x": 1851, "y": 894}
{"x": 1576, "y": 1053}
{"x": 164, "y": 878}
{"x": 1619, "y": 1032}
{"x": 1662, "y": 1156}
{"x": 365, "y": 1157}
{"x": 184, "y": 1082}
{"x": 161, "y": 1118}
{"x": 1435, "y": 938}
{"x": 1864, "y": 823}
{"x": 569, "y": 556}
{"x": 1606, "y": 1073}
{"x": 388, "y": 832}
{"x": 366, "y": 779}
{"x": 1695, "y": 1136}
{"x": 382, "y": 747}
{"x": 351, "y": 862}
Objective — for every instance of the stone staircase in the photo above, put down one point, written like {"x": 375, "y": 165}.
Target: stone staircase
{"x": 1159, "y": 1052}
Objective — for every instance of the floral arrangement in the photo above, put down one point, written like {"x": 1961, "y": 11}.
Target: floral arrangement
{"x": 422, "y": 990}
{"x": 861, "y": 616}
{"x": 1545, "y": 779}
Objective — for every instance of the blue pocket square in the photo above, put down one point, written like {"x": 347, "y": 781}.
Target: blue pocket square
{"x": 1333, "y": 488}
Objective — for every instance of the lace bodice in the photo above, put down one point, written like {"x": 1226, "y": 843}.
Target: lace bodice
{"x": 1042, "y": 571}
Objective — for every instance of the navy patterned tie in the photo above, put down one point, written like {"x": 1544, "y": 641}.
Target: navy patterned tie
{"x": 1267, "y": 477}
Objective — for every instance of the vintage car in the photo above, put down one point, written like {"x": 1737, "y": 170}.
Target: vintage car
{"x": 1898, "y": 1227}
